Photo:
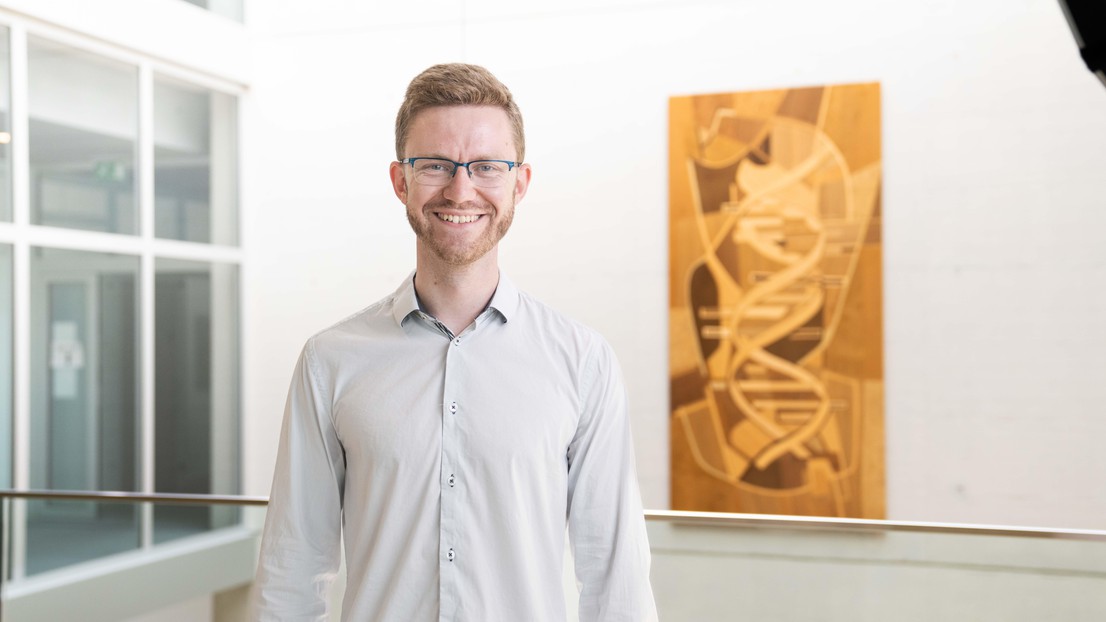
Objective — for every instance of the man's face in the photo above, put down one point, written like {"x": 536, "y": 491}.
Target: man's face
{"x": 459, "y": 223}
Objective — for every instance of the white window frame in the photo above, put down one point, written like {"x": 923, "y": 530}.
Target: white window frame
{"x": 22, "y": 235}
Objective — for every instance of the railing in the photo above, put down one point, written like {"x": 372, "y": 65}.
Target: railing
{"x": 102, "y": 556}
{"x": 134, "y": 497}
{"x": 860, "y": 525}
{"x": 706, "y": 566}
{"x": 680, "y": 517}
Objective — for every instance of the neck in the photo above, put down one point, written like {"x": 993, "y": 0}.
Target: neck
{"x": 456, "y": 295}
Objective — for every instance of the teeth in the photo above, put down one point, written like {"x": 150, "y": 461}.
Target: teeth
{"x": 458, "y": 219}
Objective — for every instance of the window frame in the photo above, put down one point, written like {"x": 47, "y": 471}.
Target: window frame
{"x": 22, "y": 236}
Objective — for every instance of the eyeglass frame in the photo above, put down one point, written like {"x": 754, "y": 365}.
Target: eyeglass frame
{"x": 456, "y": 165}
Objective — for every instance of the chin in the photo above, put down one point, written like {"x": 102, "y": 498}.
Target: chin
{"x": 459, "y": 257}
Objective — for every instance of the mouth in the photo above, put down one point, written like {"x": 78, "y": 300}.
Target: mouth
{"x": 459, "y": 219}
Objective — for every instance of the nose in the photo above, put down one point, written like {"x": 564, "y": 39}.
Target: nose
{"x": 460, "y": 187}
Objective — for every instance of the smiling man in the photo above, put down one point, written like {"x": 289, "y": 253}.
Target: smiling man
{"x": 449, "y": 432}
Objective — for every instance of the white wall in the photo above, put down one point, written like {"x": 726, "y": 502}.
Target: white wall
{"x": 703, "y": 574}
{"x": 994, "y": 211}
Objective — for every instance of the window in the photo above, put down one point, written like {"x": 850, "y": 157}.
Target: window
{"x": 84, "y": 403}
{"x": 82, "y": 157}
{"x": 123, "y": 232}
{"x": 195, "y": 177}
{"x": 5, "y": 130}
{"x": 196, "y": 366}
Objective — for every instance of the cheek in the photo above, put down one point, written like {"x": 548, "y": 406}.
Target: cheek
{"x": 418, "y": 196}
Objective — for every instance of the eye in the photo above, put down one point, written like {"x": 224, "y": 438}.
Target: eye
{"x": 487, "y": 168}
{"x": 433, "y": 166}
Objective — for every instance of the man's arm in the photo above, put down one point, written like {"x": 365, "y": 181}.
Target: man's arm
{"x": 605, "y": 517}
{"x": 300, "y": 547}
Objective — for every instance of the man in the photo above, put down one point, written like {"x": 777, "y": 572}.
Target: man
{"x": 451, "y": 429}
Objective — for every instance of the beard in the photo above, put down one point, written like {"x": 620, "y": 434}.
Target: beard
{"x": 450, "y": 249}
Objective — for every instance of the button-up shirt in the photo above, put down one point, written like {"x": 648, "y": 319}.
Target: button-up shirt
{"x": 452, "y": 464}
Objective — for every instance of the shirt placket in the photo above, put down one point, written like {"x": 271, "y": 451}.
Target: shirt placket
{"x": 451, "y": 545}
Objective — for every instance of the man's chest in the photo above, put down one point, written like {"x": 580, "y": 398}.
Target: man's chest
{"x": 490, "y": 407}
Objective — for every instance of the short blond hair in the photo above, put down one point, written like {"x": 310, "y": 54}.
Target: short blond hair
{"x": 456, "y": 84}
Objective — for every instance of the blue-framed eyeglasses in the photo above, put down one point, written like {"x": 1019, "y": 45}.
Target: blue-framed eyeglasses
{"x": 440, "y": 171}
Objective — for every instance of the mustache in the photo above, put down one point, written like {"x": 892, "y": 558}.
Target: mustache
{"x": 467, "y": 206}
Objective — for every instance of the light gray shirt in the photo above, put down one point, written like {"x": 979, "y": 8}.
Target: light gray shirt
{"x": 452, "y": 464}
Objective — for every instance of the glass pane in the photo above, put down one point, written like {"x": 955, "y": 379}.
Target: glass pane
{"x": 196, "y": 391}
{"x": 83, "y": 127}
{"x": 195, "y": 160}
{"x": 5, "y": 130}
{"x": 6, "y": 356}
{"x": 152, "y": 586}
{"x": 84, "y": 402}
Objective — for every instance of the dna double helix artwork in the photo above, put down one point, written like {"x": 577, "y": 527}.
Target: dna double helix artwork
{"x": 776, "y": 353}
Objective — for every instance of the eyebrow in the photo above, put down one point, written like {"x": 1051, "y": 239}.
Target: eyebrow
{"x": 442, "y": 157}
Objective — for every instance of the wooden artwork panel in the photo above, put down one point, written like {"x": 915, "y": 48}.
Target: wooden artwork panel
{"x": 776, "y": 341}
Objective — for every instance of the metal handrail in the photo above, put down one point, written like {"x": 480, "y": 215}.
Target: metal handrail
{"x": 676, "y": 517}
{"x": 864, "y": 525}
{"x": 134, "y": 497}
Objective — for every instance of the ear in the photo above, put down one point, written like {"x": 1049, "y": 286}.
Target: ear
{"x": 522, "y": 181}
{"x": 399, "y": 181}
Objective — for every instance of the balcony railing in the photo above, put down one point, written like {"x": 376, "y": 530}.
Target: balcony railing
{"x": 706, "y": 566}
{"x": 678, "y": 517}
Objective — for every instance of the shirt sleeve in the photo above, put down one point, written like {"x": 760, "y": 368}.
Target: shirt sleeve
{"x": 300, "y": 546}
{"x": 605, "y": 517}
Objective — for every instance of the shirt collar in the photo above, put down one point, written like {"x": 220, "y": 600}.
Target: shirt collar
{"x": 404, "y": 301}
{"x": 504, "y": 300}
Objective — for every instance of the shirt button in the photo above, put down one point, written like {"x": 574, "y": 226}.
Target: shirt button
{"x": 450, "y": 555}
{"x": 453, "y": 407}
{"x": 457, "y": 341}
{"x": 452, "y": 480}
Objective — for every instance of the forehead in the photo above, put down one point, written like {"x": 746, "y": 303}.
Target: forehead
{"x": 461, "y": 132}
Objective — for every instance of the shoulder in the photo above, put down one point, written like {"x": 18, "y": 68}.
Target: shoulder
{"x": 372, "y": 322}
{"x": 560, "y": 331}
